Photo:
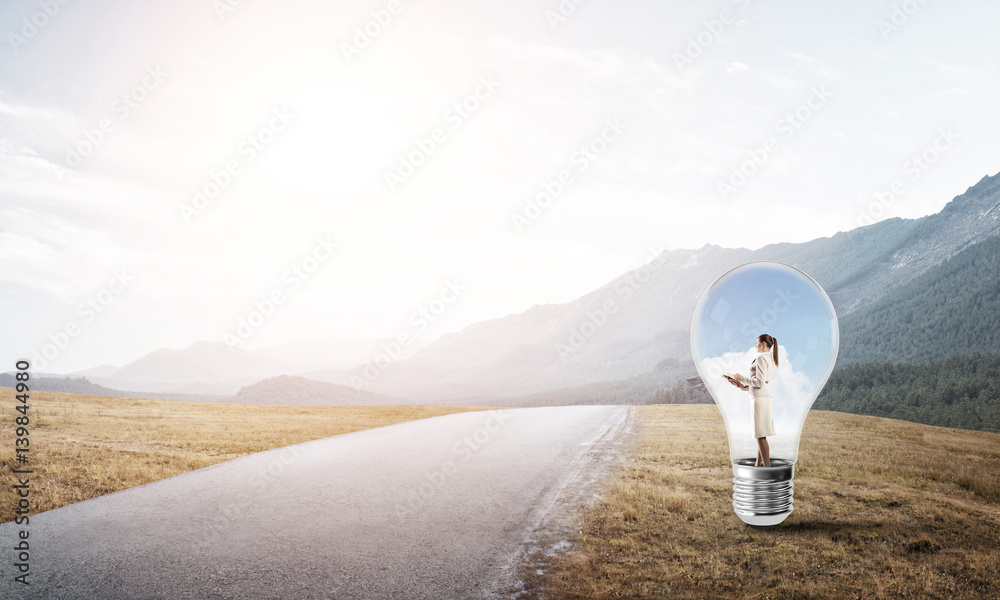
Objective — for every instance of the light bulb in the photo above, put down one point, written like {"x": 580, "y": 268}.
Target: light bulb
{"x": 782, "y": 301}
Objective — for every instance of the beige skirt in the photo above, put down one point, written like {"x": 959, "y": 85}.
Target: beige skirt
{"x": 763, "y": 417}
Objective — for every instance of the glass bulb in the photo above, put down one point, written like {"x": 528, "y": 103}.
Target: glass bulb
{"x": 782, "y": 301}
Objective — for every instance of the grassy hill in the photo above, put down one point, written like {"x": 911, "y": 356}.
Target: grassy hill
{"x": 883, "y": 509}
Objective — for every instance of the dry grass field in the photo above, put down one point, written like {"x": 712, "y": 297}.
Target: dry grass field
{"x": 88, "y": 446}
{"x": 883, "y": 509}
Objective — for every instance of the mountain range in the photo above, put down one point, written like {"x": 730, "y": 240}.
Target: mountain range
{"x": 521, "y": 354}
{"x": 215, "y": 368}
{"x": 630, "y": 337}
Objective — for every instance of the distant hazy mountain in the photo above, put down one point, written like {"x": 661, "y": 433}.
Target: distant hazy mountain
{"x": 214, "y": 368}
{"x": 81, "y": 385}
{"x": 300, "y": 391}
{"x": 202, "y": 367}
{"x": 99, "y": 371}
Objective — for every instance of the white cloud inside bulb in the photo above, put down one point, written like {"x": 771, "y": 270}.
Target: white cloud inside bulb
{"x": 793, "y": 392}
{"x": 785, "y": 381}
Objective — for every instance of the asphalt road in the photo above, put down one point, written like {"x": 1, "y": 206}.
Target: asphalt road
{"x": 440, "y": 508}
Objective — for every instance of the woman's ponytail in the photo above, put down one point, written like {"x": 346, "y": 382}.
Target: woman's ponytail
{"x": 772, "y": 342}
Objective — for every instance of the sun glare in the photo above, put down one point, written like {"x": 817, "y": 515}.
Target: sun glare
{"x": 339, "y": 141}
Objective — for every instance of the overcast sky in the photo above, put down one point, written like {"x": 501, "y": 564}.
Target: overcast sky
{"x": 167, "y": 168}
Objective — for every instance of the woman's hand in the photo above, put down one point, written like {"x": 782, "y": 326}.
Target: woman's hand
{"x": 738, "y": 382}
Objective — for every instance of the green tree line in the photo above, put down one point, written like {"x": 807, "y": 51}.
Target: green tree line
{"x": 961, "y": 391}
{"x": 951, "y": 310}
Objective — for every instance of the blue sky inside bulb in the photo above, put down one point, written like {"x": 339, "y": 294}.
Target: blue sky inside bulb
{"x": 777, "y": 299}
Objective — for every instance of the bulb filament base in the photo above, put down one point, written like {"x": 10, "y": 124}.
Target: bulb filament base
{"x": 762, "y": 496}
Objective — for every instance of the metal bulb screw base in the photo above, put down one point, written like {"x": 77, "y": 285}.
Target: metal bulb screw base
{"x": 762, "y": 496}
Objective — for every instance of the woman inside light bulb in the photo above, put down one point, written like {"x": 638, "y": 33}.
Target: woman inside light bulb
{"x": 760, "y": 395}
